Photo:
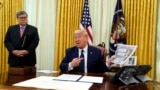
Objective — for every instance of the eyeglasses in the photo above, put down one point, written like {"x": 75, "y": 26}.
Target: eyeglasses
{"x": 22, "y": 17}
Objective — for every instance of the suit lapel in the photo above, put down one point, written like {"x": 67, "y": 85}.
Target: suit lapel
{"x": 17, "y": 31}
{"x": 76, "y": 52}
{"x": 17, "y": 35}
{"x": 89, "y": 57}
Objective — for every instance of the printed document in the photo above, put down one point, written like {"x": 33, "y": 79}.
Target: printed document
{"x": 123, "y": 53}
{"x": 47, "y": 82}
{"x": 91, "y": 79}
{"x": 68, "y": 77}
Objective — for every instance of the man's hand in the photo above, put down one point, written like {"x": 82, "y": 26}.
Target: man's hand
{"x": 75, "y": 62}
{"x": 15, "y": 52}
{"x": 20, "y": 53}
{"x": 109, "y": 61}
{"x": 24, "y": 52}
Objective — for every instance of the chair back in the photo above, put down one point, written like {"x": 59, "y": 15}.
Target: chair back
{"x": 103, "y": 52}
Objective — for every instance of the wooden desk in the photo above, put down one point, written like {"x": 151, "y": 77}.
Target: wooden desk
{"x": 7, "y": 80}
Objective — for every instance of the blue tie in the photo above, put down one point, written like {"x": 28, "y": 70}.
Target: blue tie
{"x": 81, "y": 65}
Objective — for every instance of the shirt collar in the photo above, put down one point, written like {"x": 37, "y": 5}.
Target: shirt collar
{"x": 84, "y": 49}
{"x": 22, "y": 26}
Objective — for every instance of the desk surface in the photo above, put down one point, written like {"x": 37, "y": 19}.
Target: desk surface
{"x": 6, "y": 81}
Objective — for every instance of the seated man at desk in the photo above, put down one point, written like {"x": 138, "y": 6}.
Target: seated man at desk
{"x": 83, "y": 57}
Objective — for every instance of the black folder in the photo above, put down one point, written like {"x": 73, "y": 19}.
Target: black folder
{"x": 25, "y": 41}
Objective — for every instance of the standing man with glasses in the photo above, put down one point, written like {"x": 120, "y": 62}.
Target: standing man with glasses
{"x": 83, "y": 57}
{"x": 21, "y": 41}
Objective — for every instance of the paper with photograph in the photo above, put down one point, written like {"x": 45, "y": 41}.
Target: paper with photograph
{"x": 131, "y": 61}
{"x": 123, "y": 53}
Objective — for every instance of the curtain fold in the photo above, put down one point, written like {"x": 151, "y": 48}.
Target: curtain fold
{"x": 8, "y": 9}
{"x": 140, "y": 17}
{"x": 42, "y": 14}
{"x": 158, "y": 43}
{"x": 3, "y": 78}
{"x": 102, "y": 12}
{"x": 68, "y": 19}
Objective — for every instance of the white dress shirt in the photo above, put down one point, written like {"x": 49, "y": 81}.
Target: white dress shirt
{"x": 85, "y": 49}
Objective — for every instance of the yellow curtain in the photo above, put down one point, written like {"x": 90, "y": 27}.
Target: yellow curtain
{"x": 3, "y": 78}
{"x": 140, "y": 17}
{"x": 8, "y": 9}
{"x": 158, "y": 43}
{"x": 68, "y": 20}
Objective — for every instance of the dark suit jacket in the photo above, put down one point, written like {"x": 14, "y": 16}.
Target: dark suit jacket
{"x": 29, "y": 41}
{"x": 95, "y": 63}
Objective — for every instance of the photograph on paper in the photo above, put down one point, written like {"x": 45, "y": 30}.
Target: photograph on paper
{"x": 131, "y": 61}
{"x": 123, "y": 53}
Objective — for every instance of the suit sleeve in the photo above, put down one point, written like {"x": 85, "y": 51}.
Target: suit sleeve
{"x": 65, "y": 62}
{"x": 102, "y": 67}
{"x": 34, "y": 42}
{"x": 7, "y": 41}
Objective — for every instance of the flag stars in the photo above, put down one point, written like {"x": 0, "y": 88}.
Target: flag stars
{"x": 86, "y": 20}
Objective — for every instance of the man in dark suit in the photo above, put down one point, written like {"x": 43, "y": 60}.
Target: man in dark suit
{"x": 21, "y": 41}
{"x": 91, "y": 60}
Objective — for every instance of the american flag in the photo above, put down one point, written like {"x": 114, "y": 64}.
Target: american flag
{"x": 118, "y": 32}
{"x": 86, "y": 22}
